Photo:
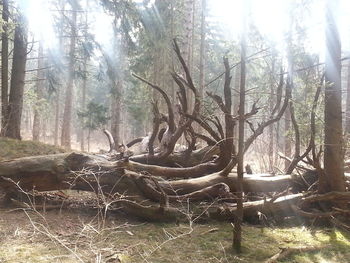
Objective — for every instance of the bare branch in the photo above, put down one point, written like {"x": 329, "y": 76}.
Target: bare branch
{"x": 272, "y": 120}
{"x": 171, "y": 121}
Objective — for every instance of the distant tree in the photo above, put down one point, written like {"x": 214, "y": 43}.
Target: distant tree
{"x": 93, "y": 118}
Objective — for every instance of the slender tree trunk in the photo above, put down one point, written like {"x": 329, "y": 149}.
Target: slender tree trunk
{"x": 116, "y": 106}
{"x": 237, "y": 81}
{"x": 84, "y": 84}
{"x": 347, "y": 112}
{"x": 4, "y": 66}
{"x": 237, "y": 236}
{"x": 290, "y": 81}
{"x": 67, "y": 114}
{"x": 172, "y": 31}
{"x": 271, "y": 127}
{"x": 57, "y": 116}
{"x": 13, "y": 128}
{"x": 39, "y": 93}
{"x": 287, "y": 142}
{"x": 83, "y": 105}
{"x": 333, "y": 177}
{"x": 188, "y": 49}
{"x": 202, "y": 51}
{"x": 88, "y": 142}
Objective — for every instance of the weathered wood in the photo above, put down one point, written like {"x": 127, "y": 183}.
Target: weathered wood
{"x": 280, "y": 207}
{"x": 180, "y": 159}
{"x": 251, "y": 183}
{"x": 88, "y": 172}
{"x": 93, "y": 173}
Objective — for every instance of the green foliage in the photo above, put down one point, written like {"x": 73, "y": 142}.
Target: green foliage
{"x": 94, "y": 117}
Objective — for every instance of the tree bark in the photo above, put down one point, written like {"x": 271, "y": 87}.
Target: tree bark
{"x": 15, "y": 105}
{"x": 333, "y": 179}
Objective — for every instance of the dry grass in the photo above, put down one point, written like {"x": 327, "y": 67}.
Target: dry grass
{"x": 71, "y": 236}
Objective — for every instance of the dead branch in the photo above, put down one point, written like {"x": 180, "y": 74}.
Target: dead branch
{"x": 156, "y": 124}
{"x": 171, "y": 118}
{"x": 110, "y": 140}
{"x": 286, "y": 252}
{"x": 259, "y": 130}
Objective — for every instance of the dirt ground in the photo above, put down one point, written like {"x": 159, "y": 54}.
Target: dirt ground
{"x": 76, "y": 235}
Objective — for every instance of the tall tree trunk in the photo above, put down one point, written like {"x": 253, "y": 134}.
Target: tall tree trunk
{"x": 13, "y": 128}
{"x": 115, "y": 73}
{"x": 287, "y": 123}
{"x": 67, "y": 114}
{"x": 4, "y": 66}
{"x": 84, "y": 84}
{"x": 333, "y": 177}
{"x": 39, "y": 93}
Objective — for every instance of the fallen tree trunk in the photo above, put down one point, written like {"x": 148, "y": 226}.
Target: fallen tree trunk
{"x": 251, "y": 183}
{"x": 93, "y": 173}
{"x": 89, "y": 172}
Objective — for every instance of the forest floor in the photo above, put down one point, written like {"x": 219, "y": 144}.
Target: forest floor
{"x": 80, "y": 235}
